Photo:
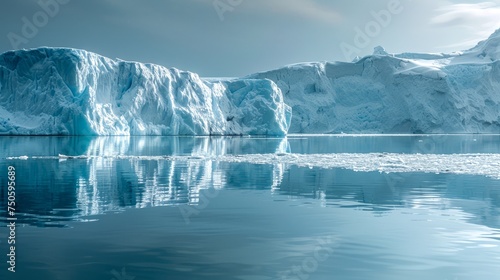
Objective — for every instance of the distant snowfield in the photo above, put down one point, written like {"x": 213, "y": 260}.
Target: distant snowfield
{"x": 470, "y": 164}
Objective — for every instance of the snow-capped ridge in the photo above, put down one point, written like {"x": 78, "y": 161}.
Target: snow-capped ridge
{"x": 488, "y": 49}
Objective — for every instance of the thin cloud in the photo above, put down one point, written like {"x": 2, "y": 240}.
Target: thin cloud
{"x": 307, "y": 9}
{"x": 304, "y": 8}
{"x": 479, "y": 20}
{"x": 462, "y": 45}
{"x": 482, "y": 17}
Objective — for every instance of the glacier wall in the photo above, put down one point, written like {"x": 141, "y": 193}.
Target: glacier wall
{"x": 387, "y": 93}
{"x": 56, "y": 91}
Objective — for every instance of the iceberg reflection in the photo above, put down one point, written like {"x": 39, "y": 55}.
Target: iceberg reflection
{"x": 56, "y": 188}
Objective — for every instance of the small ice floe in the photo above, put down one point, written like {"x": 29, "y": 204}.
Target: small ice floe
{"x": 66, "y": 157}
{"x": 18, "y": 158}
{"x": 61, "y": 156}
{"x": 195, "y": 157}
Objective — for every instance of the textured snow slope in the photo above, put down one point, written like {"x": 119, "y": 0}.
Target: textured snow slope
{"x": 50, "y": 91}
{"x": 403, "y": 93}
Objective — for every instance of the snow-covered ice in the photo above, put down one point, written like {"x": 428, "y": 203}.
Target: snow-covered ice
{"x": 56, "y": 91}
{"x": 396, "y": 93}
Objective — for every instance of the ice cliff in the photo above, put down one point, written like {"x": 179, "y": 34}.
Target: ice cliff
{"x": 56, "y": 91}
{"x": 396, "y": 93}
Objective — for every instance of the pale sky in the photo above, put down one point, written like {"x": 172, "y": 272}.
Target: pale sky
{"x": 239, "y": 37}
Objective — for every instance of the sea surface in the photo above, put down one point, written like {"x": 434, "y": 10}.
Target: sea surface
{"x": 250, "y": 208}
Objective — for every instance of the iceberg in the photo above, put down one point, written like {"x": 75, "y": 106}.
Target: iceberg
{"x": 60, "y": 91}
{"x": 396, "y": 93}
{"x": 57, "y": 91}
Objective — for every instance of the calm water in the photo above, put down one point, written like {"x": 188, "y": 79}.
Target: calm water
{"x": 123, "y": 218}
